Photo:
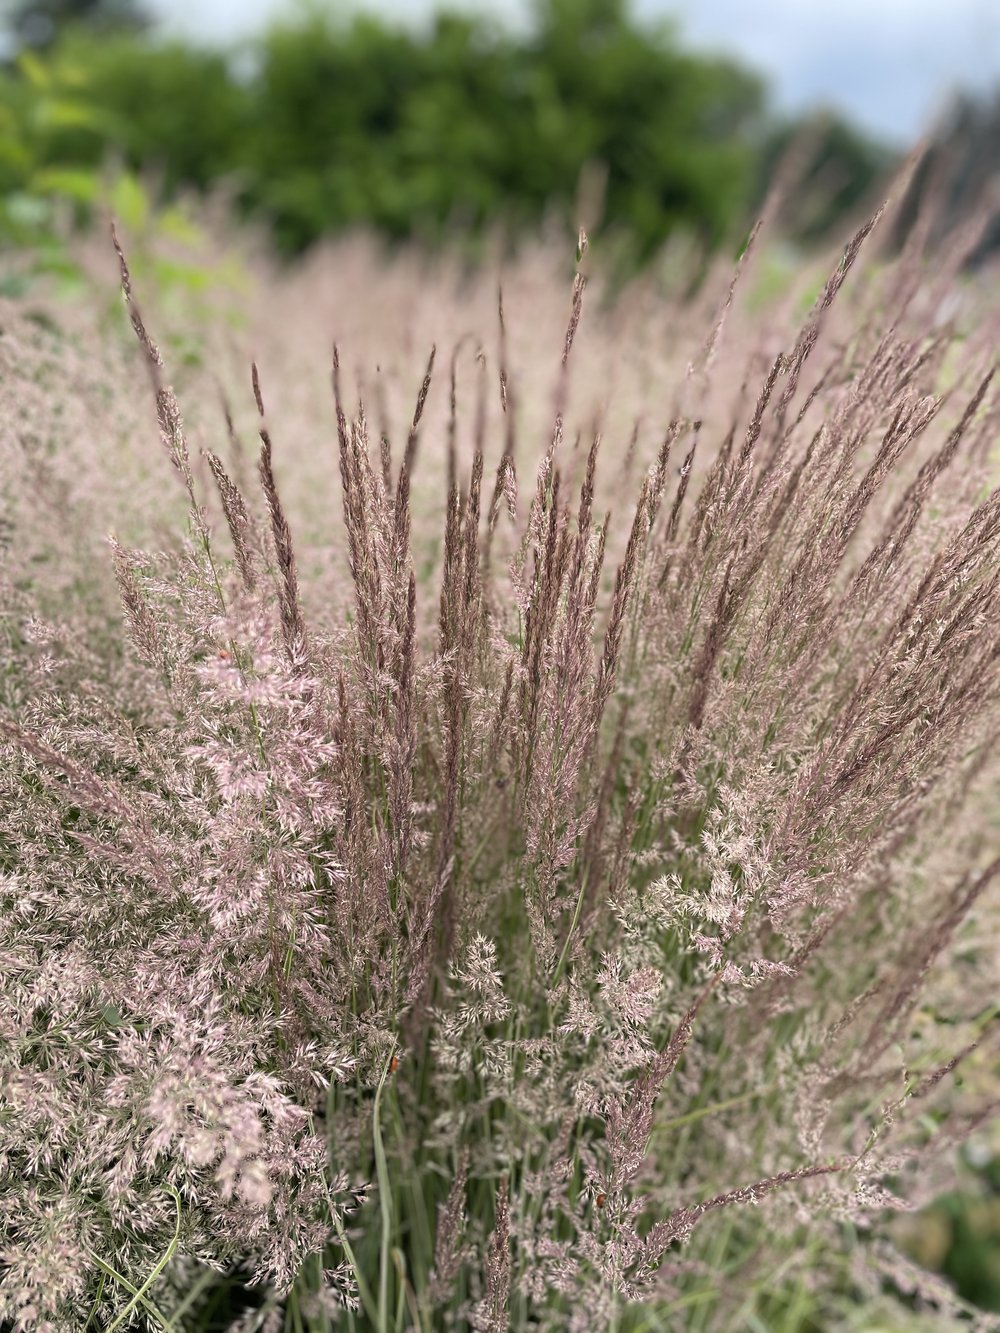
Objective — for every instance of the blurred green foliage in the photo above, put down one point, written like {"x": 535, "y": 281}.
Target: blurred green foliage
{"x": 326, "y": 121}
{"x": 62, "y": 163}
{"x": 959, "y": 1234}
{"x": 363, "y": 123}
{"x": 842, "y": 170}
{"x": 957, "y": 177}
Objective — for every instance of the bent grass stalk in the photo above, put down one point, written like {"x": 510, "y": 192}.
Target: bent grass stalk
{"x": 139, "y": 1293}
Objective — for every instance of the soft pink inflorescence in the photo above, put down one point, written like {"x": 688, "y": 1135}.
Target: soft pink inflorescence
{"x": 594, "y": 817}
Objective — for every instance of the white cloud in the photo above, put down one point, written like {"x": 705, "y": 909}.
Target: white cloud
{"x": 890, "y": 64}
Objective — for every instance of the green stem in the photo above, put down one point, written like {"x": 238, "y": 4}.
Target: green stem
{"x": 571, "y": 932}
{"x": 385, "y": 1201}
{"x": 138, "y": 1295}
{"x": 364, "y": 1291}
{"x": 703, "y": 1111}
{"x": 193, "y": 1292}
{"x": 400, "y": 1265}
{"x": 97, "y": 1301}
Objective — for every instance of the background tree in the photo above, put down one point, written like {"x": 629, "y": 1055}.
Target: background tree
{"x": 327, "y": 121}
{"x": 843, "y": 170}
{"x": 957, "y": 177}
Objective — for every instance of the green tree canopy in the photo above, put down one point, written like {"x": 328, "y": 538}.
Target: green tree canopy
{"x": 361, "y": 121}
{"x": 327, "y": 121}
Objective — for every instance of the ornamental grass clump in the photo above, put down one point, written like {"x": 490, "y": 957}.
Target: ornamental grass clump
{"x": 457, "y": 918}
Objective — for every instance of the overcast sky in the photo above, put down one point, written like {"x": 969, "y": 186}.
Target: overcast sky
{"x": 888, "y": 64}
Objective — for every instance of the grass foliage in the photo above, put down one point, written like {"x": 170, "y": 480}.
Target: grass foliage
{"x": 549, "y": 891}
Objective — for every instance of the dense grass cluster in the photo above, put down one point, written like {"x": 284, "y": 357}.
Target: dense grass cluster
{"x": 453, "y": 912}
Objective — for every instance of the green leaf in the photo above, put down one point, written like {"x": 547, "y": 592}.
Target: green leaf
{"x": 130, "y": 202}
{"x": 59, "y": 265}
{"x": 27, "y": 210}
{"x": 34, "y": 70}
{"x": 15, "y": 154}
{"x": 187, "y": 276}
{"x": 67, "y": 182}
{"x": 62, "y": 113}
{"x": 175, "y": 224}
